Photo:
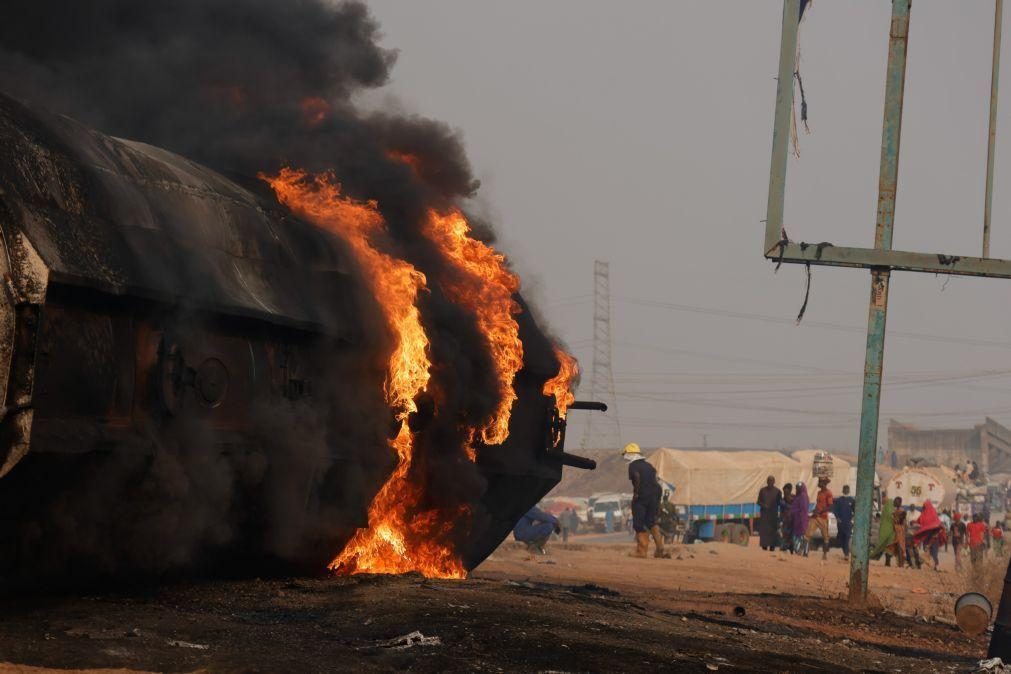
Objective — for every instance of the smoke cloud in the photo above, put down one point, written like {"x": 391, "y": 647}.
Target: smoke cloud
{"x": 250, "y": 86}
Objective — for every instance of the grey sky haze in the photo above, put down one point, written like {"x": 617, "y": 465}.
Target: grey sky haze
{"x": 639, "y": 133}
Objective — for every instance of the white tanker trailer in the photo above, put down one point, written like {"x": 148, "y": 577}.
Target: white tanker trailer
{"x": 918, "y": 484}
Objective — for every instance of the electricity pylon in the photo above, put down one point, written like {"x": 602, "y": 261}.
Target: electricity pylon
{"x": 602, "y": 431}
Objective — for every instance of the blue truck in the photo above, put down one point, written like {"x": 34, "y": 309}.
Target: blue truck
{"x": 727, "y": 523}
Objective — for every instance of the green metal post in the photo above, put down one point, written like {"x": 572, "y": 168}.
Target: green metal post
{"x": 891, "y": 132}
{"x": 998, "y": 16}
{"x": 781, "y": 124}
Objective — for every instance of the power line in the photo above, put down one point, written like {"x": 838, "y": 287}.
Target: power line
{"x": 727, "y": 358}
{"x": 723, "y": 313}
{"x": 701, "y": 402}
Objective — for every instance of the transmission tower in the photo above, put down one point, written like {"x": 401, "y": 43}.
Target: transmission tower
{"x": 602, "y": 431}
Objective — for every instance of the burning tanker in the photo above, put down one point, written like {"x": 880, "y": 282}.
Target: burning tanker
{"x": 318, "y": 361}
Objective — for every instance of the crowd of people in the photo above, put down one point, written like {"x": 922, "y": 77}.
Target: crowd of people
{"x": 789, "y": 523}
{"x": 968, "y": 473}
{"x": 899, "y": 538}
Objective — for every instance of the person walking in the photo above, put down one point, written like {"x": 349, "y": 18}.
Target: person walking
{"x": 645, "y": 502}
{"x": 574, "y": 522}
{"x": 912, "y": 552}
{"x": 901, "y": 531}
{"x": 799, "y": 517}
{"x": 786, "y": 518}
{"x": 819, "y": 520}
{"x": 887, "y": 535}
{"x": 565, "y": 522}
{"x": 769, "y": 498}
{"x": 843, "y": 509}
{"x": 958, "y": 538}
{"x": 946, "y": 523}
{"x": 930, "y": 532}
{"x": 976, "y": 533}
{"x": 997, "y": 536}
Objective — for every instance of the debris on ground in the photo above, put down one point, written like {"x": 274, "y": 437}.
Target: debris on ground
{"x": 993, "y": 666}
{"x": 410, "y": 641}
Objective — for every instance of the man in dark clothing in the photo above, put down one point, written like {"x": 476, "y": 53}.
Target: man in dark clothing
{"x": 645, "y": 501}
{"x": 843, "y": 509}
{"x": 535, "y": 529}
{"x": 785, "y": 521}
{"x": 958, "y": 538}
{"x": 769, "y": 498}
{"x": 573, "y": 522}
{"x": 565, "y": 522}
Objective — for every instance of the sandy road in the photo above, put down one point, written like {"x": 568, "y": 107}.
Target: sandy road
{"x": 585, "y": 607}
{"x": 716, "y": 567}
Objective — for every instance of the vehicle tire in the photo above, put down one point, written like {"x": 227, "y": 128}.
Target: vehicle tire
{"x": 722, "y": 533}
{"x": 740, "y": 534}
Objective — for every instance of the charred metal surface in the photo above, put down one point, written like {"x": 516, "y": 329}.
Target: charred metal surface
{"x": 130, "y": 219}
{"x": 146, "y": 296}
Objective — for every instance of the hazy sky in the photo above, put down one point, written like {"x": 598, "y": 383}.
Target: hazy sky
{"x": 639, "y": 133}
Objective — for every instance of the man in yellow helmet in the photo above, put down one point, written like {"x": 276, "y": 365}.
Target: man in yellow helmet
{"x": 645, "y": 501}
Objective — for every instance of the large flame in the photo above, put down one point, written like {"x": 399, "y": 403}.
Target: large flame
{"x": 484, "y": 285}
{"x": 402, "y": 535}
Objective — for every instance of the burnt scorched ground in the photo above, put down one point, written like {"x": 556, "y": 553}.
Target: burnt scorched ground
{"x": 352, "y": 624}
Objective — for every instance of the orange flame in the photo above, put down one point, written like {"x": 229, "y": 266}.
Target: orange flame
{"x": 485, "y": 286}
{"x": 412, "y": 160}
{"x": 315, "y": 110}
{"x": 560, "y": 386}
{"x": 402, "y": 536}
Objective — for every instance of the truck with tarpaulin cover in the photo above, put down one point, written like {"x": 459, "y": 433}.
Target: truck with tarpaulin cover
{"x": 714, "y": 492}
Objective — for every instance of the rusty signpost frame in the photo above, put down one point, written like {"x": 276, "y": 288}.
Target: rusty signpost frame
{"x": 881, "y": 260}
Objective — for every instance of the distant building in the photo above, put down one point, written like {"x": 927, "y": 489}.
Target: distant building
{"x": 988, "y": 444}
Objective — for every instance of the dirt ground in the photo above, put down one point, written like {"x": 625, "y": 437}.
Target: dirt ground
{"x": 586, "y": 606}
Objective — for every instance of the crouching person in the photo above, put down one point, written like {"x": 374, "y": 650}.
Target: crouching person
{"x": 535, "y": 528}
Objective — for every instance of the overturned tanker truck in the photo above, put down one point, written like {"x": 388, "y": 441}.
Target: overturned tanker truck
{"x": 184, "y": 375}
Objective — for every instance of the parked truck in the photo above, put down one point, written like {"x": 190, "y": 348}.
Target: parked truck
{"x": 715, "y": 492}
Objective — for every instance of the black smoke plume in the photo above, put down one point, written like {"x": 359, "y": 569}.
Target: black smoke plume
{"x": 250, "y": 86}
